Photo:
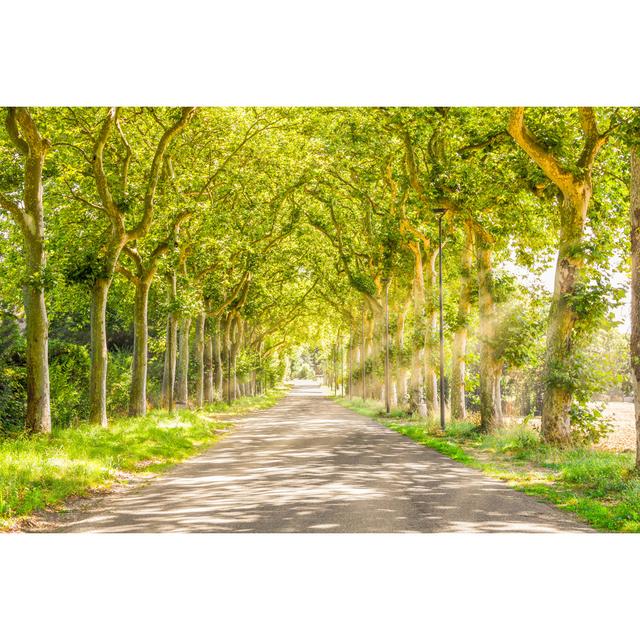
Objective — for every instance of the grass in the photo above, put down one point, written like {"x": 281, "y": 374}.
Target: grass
{"x": 42, "y": 471}
{"x": 600, "y": 487}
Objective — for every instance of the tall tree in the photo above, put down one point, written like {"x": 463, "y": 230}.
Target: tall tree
{"x": 28, "y": 213}
{"x": 634, "y": 194}
{"x": 118, "y": 236}
{"x": 575, "y": 182}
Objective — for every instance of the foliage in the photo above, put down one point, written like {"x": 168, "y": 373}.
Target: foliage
{"x": 68, "y": 375}
{"x": 588, "y": 424}
{"x": 285, "y": 226}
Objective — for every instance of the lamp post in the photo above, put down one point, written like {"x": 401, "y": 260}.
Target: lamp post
{"x": 441, "y": 213}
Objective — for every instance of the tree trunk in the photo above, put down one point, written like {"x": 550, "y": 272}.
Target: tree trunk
{"x": 634, "y": 192}
{"x": 234, "y": 379}
{"x": 208, "y": 368}
{"x": 171, "y": 350}
{"x": 430, "y": 339}
{"x": 200, "y": 322}
{"x": 183, "y": 364}
{"x": 556, "y": 427}
{"x": 138, "y": 394}
{"x": 38, "y": 415}
{"x": 576, "y": 188}
{"x": 217, "y": 361}
{"x": 416, "y": 393}
{"x": 490, "y": 368}
{"x": 28, "y": 142}
{"x": 99, "y": 357}
{"x": 170, "y": 357}
{"x": 458, "y": 370}
{"x": 400, "y": 368}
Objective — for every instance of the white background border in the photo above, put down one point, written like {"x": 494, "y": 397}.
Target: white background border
{"x": 546, "y": 52}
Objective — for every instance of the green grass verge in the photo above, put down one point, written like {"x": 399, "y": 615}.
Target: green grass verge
{"x": 600, "y": 487}
{"x": 41, "y": 471}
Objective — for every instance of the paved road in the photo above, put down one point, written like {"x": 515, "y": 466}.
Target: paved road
{"x": 309, "y": 465}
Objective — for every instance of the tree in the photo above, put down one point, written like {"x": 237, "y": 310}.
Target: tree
{"x": 575, "y": 184}
{"x": 28, "y": 214}
{"x": 634, "y": 211}
{"x": 118, "y": 236}
{"x": 141, "y": 277}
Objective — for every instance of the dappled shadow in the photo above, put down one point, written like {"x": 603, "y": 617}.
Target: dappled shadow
{"x": 309, "y": 465}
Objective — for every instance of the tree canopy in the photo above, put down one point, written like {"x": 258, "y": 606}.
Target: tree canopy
{"x": 172, "y": 256}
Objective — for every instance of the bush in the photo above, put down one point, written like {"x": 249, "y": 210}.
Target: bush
{"x": 118, "y": 382}
{"x": 69, "y": 370}
{"x": 588, "y": 425}
{"x": 13, "y": 397}
{"x": 13, "y": 376}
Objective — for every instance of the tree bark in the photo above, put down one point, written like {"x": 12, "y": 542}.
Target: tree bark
{"x": 170, "y": 357}
{"x": 634, "y": 193}
{"x": 183, "y": 363}
{"x": 138, "y": 394}
{"x": 233, "y": 354}
{"x": 208, "y": 368}
{"x": 38, "y": 414}
{"x": 171, "y": 348}
{"x": 458, "y": 371}
{"x": 119, "y": 236}
{"x": 99, "y": 356}
{"x": 401, "y": 369}
{"x": 28, "y": 142}
{"x": 217, "y": 360}
{"x": 576, "y": 187}
{"x": 417, "y": 350}
{"x": 200, "y": 323}
{"x": 556, "y": 427}
{"x": 430, "y": 339}
{"x": 490, "y": 367}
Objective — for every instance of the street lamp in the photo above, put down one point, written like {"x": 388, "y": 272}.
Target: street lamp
{"x": 441, "y": 213}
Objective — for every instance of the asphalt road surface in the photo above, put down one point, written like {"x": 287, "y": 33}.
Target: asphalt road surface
{"x": 310, "y": 465}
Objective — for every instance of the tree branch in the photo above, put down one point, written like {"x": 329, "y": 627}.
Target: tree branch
{"x": 102, "y": 184}
{"x": 11, "y": 123}
{"x": 147, "y": 216}
{"x": 563, "y": 179}
{"x": 10, "y": 206}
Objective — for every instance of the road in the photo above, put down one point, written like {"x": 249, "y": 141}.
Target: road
{"x": 310, "y": 465}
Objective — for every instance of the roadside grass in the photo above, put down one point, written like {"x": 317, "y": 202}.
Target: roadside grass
{"x": 43, "y": 470}
{"x": 600, "y": 487}
{"x": 248, "y": 403}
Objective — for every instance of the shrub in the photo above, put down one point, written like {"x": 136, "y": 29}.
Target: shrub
{"x": 118, "y": 382}
{"x": 69, "y": 369}
{"x": 588, "y": 424}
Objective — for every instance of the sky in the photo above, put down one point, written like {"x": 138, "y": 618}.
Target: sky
{"x": 622, "y": 313}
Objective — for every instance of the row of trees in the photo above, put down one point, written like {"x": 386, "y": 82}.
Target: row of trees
{"x": 517, "y": 189}
{"x": 235, "y": 235}
{"x": 188, "y": 206}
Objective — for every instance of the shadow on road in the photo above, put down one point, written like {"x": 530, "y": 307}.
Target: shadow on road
{"x": 309, "y": 465}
